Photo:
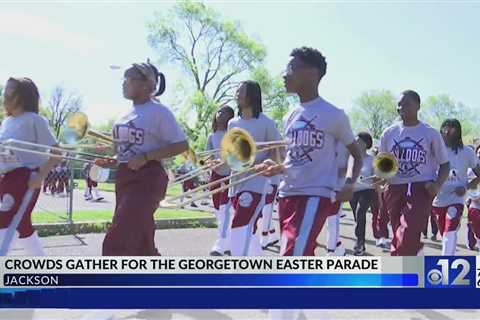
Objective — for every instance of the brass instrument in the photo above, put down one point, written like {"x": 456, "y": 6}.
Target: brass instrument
{"x": 238, "y": 151}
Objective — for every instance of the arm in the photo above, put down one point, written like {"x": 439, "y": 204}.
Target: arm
{"x": 475, "y": 181}
{"x": 440, "y": 152}
{"x": 443, "y": 172}
{"x": 277, "y": 154}
{"x": 353, "y": 170}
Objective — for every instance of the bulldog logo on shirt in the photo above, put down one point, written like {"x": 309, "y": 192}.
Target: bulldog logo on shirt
{"x": 7, "y": 201}
{"x": 410, "y": 155}
{"x": 303, "y": 139}
{"x": 128, "y": 136}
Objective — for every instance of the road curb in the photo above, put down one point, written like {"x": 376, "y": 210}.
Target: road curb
{"x": 102, "y": 226}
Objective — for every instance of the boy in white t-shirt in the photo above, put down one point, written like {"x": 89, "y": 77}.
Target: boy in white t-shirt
{"x": 312, "y": 130}
{"x": 449, "y": 203}
{"x": 419, "y": 150}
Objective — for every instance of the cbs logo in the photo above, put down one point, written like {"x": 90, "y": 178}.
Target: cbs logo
{"x": 442, "y": 276}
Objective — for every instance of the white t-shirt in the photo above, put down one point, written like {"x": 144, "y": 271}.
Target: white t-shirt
{"x": 313, "y": 130}
{"x": 460, "y": 162}
{"x": 475, "y": 203}
{"x": 145, "y": 128}
{"x": 213, "y": 142}
{"x": 419, "y": 151}
{"x": 28, "y": 127}
{"x": 262, "y": 129}
{"x": 365, "y": 172}
{"x": 275, "y": 180}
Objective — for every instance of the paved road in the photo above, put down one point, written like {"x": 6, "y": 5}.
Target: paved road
{"x": 59, "y": 204}
{"x": 42, "y": 314}
{"x": 197, "y": 242}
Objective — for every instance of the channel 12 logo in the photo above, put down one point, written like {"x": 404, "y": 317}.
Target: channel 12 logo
{"x": 449, "y": 272}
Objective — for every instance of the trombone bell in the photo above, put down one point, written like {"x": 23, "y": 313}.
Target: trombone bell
{"x": 77, "y": 128}
{"x": 238, "y": 149}
{"x": 385, "y": 165}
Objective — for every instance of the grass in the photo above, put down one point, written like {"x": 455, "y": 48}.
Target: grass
{"x": 110, "y": 187}
{"x": 106, "y": 215}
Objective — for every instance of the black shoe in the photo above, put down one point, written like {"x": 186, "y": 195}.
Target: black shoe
{"x": 193, "y": 205}
{"x": 433, "y": 237}
{"x": 215, "y": 254}
{"x": 227, "y": 253}
{"x": 359, "y": 251}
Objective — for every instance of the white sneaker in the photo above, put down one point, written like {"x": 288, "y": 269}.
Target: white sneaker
{"x": 382, "y": 243}
{"x": 339, "y": 251}
{"x": 265, "y": 241}
{"x": 273, "y": 239}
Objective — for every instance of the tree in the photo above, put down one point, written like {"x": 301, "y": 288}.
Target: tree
{"x": 61, "y": 104}
{"x": 212, "y": 51}
{"x": 437, "y": 109}
{"x": 2, "y": 111}
{"x": 276, "y": 102}
{"x": 374, "y": 111}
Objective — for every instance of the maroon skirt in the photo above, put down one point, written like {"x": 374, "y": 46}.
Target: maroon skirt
{"x": 138, "y": 194}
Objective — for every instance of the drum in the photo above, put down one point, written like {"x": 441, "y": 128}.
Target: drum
{"x": 99, "y": 174}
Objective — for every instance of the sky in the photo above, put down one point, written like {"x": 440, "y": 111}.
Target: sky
{"x": 431, "y": 47}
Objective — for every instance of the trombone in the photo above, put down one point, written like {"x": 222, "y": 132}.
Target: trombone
{"x": 385, "y": 166}
{"x": 238, "y": 150}
{"x": 76, "y": 129}
{"x": 235, "y": 151}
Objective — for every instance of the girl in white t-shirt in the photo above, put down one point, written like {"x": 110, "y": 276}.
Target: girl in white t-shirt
{"x": 221, "y": 200}
{"x": 448, "y": 205}
{"x": 23, "y": 172}
{"x": 143, "y": 137}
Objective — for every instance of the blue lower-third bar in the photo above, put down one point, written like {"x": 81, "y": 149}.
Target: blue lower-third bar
{"x": 210, "y": 280}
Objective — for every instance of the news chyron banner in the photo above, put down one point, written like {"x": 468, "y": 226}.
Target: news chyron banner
{"x": 240, "y": 282}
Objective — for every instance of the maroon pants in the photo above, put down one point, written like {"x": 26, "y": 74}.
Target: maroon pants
{"x": 380, "y": 218}
{"x": 91, "y": 183}
{"x": 138, "y": 194}
{"x": 13, "y": 187}
{"x": 219, "y": 198}
{"x": 409, "y": 207}
{"x": 474, "y": 221}
{"x": 447, "y": 218}
{"x": 271, "y": 194}
{"x": 245, "y": 204}
{"x": 301, "y": 221}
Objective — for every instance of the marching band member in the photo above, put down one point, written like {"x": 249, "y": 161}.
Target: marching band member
{"x": 408, "y": 196}
{"x": 23, "y": 171}
{"x": 474, "y": 217}
{"x": 471, "y": 241}
{"x": 249, "y": 196}
{"x": 91, "y": 186}
{"x": 364, "y": 195}
{"x": 334, "y": 244}
{"x": 143, "y": 137}
{"x": 268, "y": 227}
{"x": 221, "y": 201}
{"x": 312, "y": 130}
{"x": 188, "y": 184}
{"x": 449, "y": 203}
